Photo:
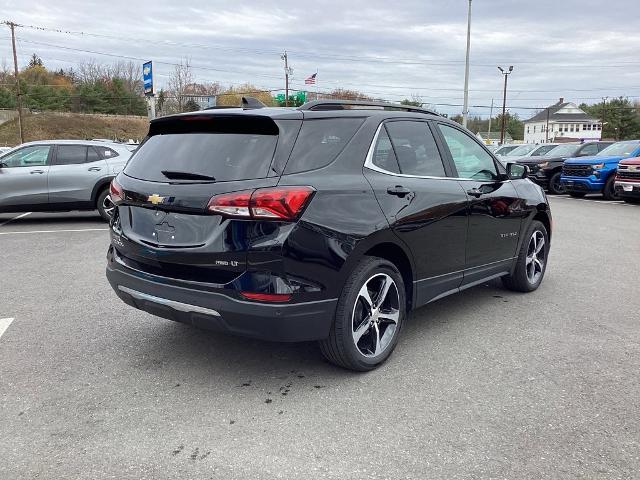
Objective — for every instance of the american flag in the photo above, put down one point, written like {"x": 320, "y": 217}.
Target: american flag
{"x": 311, "y": 80}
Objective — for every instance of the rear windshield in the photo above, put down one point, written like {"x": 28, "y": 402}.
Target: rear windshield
{"x": 203, "y": 150}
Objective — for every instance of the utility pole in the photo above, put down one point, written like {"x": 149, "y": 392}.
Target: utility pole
{"x": 547, "y": 128}
{"x": 12, "y": 26}
{"x": 490, "y": 115}
{"x": 504, "y": 100}
{"x": 604, "y": 115}
{"x": 465, "y": 108}
{"x": 286, "y": 78}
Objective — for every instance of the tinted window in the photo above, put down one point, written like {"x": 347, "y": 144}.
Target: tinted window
{"x": 320, "y": 142}
{"x": 415, "y": 149}
{"x": 106, "y": 152}
{"x": 34, "y": 156}
{"x": 71, "y": 154}
{"x": 383, "y": 155}
{"x": 590, "y": 149}
{"x": 223, "y": 156}
{"x": 471, "y": 160}
{"x": 92, "y": 155}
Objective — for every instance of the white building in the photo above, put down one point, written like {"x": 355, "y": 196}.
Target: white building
{"x": 565, "y": 122}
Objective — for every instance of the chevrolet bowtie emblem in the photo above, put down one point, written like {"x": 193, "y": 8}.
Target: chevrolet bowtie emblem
{"x": 155, "y": 199}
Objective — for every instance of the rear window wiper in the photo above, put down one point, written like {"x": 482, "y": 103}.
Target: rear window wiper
{"x": 175, "y": 175}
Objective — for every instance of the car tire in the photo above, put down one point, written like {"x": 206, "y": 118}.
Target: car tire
{"x": 577, "y": 194}
{"x": 365, "y": 332}
{"x": 609, "y": 192}
{"x": 531, "y": 262}
{"x": 555, "y": 186}
{"x": 104, "y": 205}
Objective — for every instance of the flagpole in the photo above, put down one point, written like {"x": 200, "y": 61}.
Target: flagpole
{"x": 316, "y": 83}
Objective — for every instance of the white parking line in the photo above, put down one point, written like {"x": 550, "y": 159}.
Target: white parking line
{"x": 4, "y": 324}
{"x": 15, "y": 218}
{"x": 56, "y": 231}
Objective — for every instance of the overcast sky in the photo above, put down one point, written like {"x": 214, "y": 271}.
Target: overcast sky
{"x": 580, "y": 50}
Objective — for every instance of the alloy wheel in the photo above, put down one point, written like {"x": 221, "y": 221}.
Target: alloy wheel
{"x": 108, "y": 206}
{"x": 536, "y": 252}
{"x": 376, "y": 314}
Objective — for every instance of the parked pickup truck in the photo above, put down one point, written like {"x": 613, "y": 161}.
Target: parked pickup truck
{"x": 546, "y": 170}
{"x": 596, "y": 174}
{"x": 627, "y": 182}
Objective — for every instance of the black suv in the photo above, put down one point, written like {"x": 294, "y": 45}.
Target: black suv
{"x": 328, "y": 222}
{"x": 547, "y": 170}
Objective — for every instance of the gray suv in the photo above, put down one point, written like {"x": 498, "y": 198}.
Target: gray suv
{"x": 60, "y": 175}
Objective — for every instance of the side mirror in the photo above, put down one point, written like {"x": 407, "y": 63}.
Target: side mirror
{"x": 516, "y": 171}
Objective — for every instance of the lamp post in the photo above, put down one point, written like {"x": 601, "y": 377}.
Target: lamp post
{"x": 465, "y": 108}
{"x": 504, "y": 99}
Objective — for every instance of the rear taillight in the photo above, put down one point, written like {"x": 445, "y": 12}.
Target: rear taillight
{"x": 277, "y": 203}
{"x": 115, "y": 191}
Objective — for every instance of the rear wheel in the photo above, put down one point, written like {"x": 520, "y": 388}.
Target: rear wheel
{"x": 609, "y": 191}
{"x": 531, "y": 262}
{"x": 369, "y": 316}
{"x": 555, "y": 186}
{"x": 577, "y": 194}
{"x": 104, "y": 205}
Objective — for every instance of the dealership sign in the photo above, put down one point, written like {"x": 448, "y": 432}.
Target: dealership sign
{"x": 147, "y": 78}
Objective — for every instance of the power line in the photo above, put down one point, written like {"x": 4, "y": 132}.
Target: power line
{"x": 333, "y": 56}
{"x": 129, "y": 57}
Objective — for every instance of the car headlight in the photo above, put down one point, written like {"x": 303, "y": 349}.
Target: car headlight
{"x": 543, "y": 164}
{"x": 598, "y": 166}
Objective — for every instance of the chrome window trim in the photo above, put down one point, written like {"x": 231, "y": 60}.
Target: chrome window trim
{"x": 368, "y": 163}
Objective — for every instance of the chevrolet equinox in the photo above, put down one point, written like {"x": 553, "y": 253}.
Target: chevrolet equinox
{"x": 328, "y": 222}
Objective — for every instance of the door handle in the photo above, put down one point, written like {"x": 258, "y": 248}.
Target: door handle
{"x": 94, "y": 169}
{"x": 475, "y": 192}
{"x": 36, "y": 171}
{"x": 398, "y": 190}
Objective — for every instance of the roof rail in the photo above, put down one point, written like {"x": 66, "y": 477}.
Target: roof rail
{"x": 362, "y": 104}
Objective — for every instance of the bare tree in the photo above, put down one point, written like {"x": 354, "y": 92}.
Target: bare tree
{"x": 129, "y": 72}
{"x": 180, "y": 81}
{"x": 90, "y": 71}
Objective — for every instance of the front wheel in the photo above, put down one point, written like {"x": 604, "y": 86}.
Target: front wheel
{"x": 555, "y": 186}
{"x": 369, "y": 316}
{"x": 609, "y": 191}
{"x": 104, "y": 205}
{"x": 531, "y": 262}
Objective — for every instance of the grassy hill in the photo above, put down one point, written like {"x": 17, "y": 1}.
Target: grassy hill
{"x": 47, "y": 126}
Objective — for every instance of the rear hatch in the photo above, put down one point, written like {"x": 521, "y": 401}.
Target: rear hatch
{"x": 163, "y": 225}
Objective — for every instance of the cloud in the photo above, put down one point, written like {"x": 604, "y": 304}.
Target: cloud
{"x": 574, "y": 49}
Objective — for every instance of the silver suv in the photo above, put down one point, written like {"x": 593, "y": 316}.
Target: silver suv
{"x": 60, "y": 175}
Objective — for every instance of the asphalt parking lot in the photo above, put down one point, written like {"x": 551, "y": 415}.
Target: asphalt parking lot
{"x": 485, "y": 384}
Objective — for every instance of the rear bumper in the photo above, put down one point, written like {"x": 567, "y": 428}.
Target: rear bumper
{"x": 282, "y": 322}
